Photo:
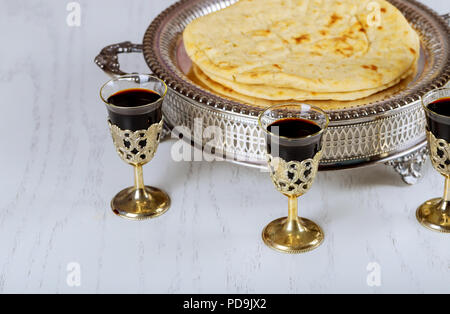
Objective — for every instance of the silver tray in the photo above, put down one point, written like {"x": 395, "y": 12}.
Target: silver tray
{"x": 388, "y": 128}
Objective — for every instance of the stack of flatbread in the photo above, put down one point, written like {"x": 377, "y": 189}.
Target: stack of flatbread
{"x": 265, "y": 51}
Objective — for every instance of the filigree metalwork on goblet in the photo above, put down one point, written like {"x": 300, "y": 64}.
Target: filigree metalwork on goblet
{"x": 135, "y": 121}
{"x": 439, "y": 154}
{"x": 293, "y": 178}
{"x": 435, "y": 213}
{"x": 136, "y": 147}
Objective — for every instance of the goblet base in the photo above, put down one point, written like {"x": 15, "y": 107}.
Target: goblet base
{"x": 435, "y": 215}
{"x": 293, "y": 237}
{"x": 140, "y": 204}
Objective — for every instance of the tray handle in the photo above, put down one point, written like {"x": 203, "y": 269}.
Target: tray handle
{"x": 108, "y": 58}
{"x": 108, "y": 61}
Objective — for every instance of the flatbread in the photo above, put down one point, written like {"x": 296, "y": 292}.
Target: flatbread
{"x": 280, "y": 93}
{"x": 226, "y": 92}
{"x": 203, "y": 80}
{"x": 324, "y": 46}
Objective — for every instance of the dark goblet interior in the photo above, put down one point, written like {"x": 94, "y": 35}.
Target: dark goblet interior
{"x": 438, "y": 120}
{"x": 294, "y": 139}
{"x": 132, "y": 98}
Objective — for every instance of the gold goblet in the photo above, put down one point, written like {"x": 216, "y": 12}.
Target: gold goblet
{"x": 294, "y": 149}
{"x": 435, "y": 213}
{"x": 134, "y": 104}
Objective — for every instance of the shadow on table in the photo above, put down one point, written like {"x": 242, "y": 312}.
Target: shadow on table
{"x": 367, "y": 176}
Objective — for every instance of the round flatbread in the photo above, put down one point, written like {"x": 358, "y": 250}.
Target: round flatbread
{"x": 324, "y": 46}
{"x": 282, "y": 93}
{"x": 203, "y": 80}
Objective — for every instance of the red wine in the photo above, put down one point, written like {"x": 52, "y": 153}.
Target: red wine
{"x": 297, "y": 139}
{"x": 133, "y": 98}
{"x": 439, "y": 123}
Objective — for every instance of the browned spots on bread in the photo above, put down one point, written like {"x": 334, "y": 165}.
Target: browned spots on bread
{"x": 302, "y": 38}
{"x": 323, "y": 32}
{"x": 263, "y": 33}
{"x": 370, "y": 67}
{"x": 277, "y": 66}
{"x": 412, "y": 50}
{"x": 315, "y": 53}
{"x": 383, "y": 10}
{"x": 342, "y": 47}
{"x": 342, "y": 52}
{"x": 333, "y": 19}
{"x": 380, "y": 27}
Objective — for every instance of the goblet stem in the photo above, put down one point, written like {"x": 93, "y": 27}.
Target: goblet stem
{"x": 443, "y": 206}
{"x": 293, "y": 208}
{"x": 140, "y": 194}
{"x": 293, "y": 220}
{"x": 139, "y": 201}
{"x": 138, "y": 177}
{"x": 447, "y": 189}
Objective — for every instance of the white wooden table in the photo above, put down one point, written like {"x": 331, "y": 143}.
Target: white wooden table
{"x": 59, "y": 171}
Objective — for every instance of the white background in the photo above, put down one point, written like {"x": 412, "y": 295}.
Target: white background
{"x": 59, "y": 170}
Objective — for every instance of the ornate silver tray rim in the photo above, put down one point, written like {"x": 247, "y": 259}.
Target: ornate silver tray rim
{"x": 440, "y": 46}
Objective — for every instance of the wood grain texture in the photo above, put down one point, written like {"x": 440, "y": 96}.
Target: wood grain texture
{"x": 59, "y": 171}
